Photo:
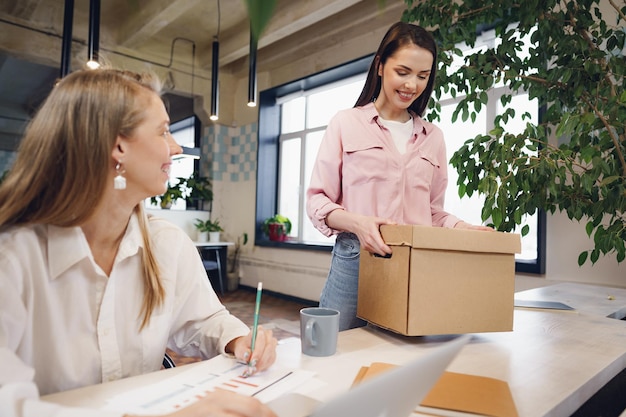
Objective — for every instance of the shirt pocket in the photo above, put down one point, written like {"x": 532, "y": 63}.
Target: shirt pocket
{"x": 365, "y": 163}
{"x": 421, "y": 170}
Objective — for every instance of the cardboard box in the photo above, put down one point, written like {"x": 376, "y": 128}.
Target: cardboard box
{"x": 440, "y": 281}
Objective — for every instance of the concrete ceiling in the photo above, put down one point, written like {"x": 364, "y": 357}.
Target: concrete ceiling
{"x": 31, "y": 33}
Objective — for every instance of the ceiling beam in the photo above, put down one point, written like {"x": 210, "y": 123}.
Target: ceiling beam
{"x": 22, "y": 9}
{"x": 289, "y": 18}
{"x": 151, "y": 19}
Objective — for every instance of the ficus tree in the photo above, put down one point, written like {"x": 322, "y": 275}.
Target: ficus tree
{"x": 573, "y": 159}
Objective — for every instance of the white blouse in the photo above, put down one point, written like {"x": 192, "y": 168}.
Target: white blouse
{"x": 64, "y": 324}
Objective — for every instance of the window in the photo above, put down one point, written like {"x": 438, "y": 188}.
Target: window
{"x": 292, "y": 120}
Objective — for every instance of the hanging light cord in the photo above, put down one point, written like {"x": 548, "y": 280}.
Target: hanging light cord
{"x": 193, "y": 58}
{"x": 219, "y": 20}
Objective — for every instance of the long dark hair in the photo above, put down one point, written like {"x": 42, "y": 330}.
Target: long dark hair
{"x": 400, "y": 34}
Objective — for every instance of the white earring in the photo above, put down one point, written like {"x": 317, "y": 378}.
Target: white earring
{"x": 119, "y": 182}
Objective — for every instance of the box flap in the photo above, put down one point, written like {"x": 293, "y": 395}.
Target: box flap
{"x": 426, "y": 237}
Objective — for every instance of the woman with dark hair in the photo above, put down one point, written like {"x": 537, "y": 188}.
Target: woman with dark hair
{"x": 91, "y": 288}
{"x": 380, "y": 163}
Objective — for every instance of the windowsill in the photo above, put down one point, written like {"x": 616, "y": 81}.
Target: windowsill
{"x": 264, "y": 242}
{"x": 523, "y": 266}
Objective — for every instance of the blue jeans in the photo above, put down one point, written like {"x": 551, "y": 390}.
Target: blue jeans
{"x": 341, "y": 289}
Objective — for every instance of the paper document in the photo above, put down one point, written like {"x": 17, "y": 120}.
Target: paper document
{"x": 458, "y": 394}
{"x": 551, "y": 305}
{"x": 187, "y": 387}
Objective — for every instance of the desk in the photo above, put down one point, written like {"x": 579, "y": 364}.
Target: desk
{"x": 553, "y": 361}
{"x": 220, "y": 250}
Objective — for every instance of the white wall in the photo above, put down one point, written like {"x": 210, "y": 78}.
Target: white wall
{"x": 566, "y": 239}
{"x": 182, "y": 218}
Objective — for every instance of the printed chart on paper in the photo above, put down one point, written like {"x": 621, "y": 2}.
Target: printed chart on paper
{"x": 185, "y": 388}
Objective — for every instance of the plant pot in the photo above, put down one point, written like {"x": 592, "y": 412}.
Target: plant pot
{"x": 203, "y": 236}
{"x": 214, "y": 236}
{"x": 233, "y": 281}
{"x": 277, "y": 232}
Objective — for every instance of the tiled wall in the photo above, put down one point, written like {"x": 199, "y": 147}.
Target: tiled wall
{"x": 6, "y": 160}
{"x": 234, "y": 151}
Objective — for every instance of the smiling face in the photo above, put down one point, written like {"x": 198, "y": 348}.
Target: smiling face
{"x": 146, "y": 154}
{"x": 404, "y": 77}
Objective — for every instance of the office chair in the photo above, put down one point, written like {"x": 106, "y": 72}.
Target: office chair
{"x": 214, "y": 265}
{"x": 167, "y": 361}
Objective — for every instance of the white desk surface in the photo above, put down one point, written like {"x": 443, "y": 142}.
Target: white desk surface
{"x": 208, "y": 244}
{"x": 553, "y": 360}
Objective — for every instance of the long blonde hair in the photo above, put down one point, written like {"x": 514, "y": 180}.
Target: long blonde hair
{"x": 65, "y": 155}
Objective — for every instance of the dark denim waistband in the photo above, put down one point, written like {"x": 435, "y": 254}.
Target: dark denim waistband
{"x": 347, "y": 236}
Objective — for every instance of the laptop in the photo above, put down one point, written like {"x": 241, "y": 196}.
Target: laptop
{"x": 395, "y": 393}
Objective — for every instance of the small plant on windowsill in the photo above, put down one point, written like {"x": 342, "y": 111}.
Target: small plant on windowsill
{"x": 277, "y": 227}
{"x": 210, "y": 227}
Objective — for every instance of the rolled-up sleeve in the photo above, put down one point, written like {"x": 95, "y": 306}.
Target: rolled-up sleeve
{"x": 324, "y": 192}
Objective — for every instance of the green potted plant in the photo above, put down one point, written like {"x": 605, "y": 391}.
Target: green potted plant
{"x": 173, "y": 193}
{"x": 234, "y": 259}
{"x": 209, "y": 227}
{"x": 277, "y": 227}
{"x": 200, "y": 192}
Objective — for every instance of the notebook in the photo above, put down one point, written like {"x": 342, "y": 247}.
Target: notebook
{"x": 395, "y": 393}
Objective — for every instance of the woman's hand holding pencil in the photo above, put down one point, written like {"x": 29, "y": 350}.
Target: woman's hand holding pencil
{"x": 258, "y": 348}
{"x": 263, "y": 355}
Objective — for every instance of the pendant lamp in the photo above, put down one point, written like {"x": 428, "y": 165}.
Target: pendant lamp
{"x": 94, "y": 34}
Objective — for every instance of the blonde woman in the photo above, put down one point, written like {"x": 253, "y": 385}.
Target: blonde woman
{"x": 91, "y": 289}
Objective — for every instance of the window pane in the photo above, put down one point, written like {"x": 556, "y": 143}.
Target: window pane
{"x": 292, "y": 115}
{"x": 521, "y": 104}
{"x": 516, "y": 125}
{"x": 468, "y": 208}
{"x": 289, "y": 187}
{"x": 185, "y": 137}
{"x": 323, "y": 105}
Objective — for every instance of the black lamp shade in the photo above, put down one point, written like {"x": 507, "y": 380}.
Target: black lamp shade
{"x": 215, "y": 92}
{"x": 252, "y": 71}
{"x": 94, "y": 30}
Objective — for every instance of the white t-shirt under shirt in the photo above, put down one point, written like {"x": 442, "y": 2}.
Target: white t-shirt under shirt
{"x": 400, "y": 132}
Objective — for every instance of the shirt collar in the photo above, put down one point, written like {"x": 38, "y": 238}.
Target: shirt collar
{"x": 68, "y": 245}
{"x": 418, "y": 123}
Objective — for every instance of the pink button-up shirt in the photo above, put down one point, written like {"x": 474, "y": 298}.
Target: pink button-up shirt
{"x": 359, "y": 169}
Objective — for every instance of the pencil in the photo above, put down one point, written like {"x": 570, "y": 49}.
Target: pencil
{"x": 257, "y": 306}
